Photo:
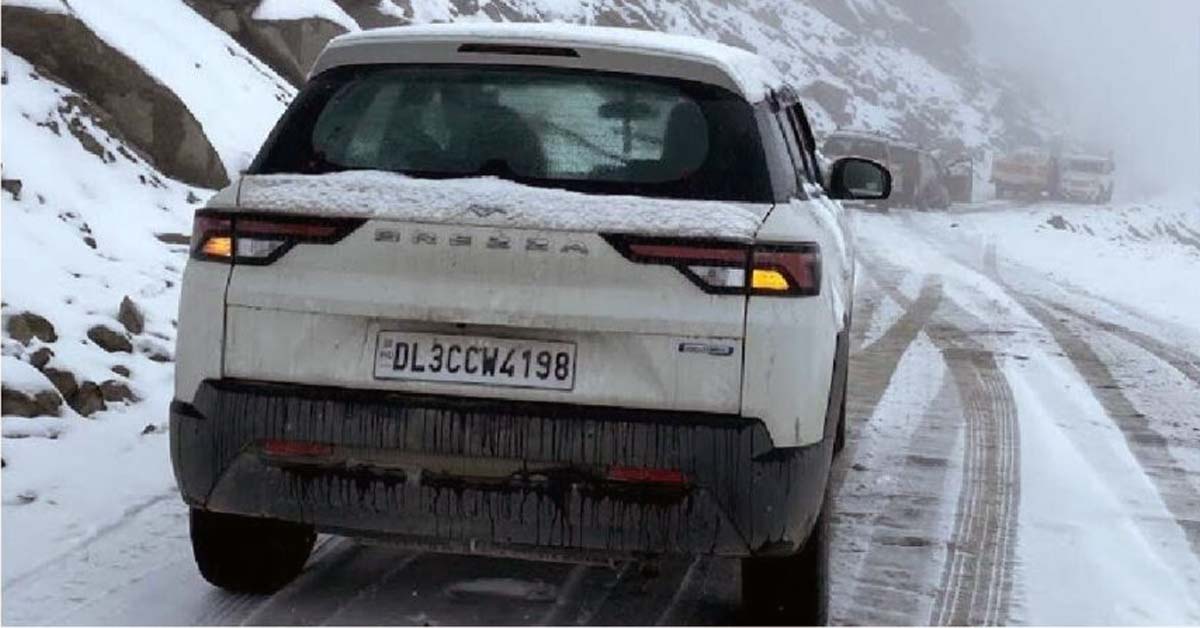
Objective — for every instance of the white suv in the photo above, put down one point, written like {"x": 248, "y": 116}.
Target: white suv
{"x": 560, "y": 292}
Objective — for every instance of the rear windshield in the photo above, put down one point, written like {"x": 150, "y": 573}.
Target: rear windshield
{"x": 589, "y": 131}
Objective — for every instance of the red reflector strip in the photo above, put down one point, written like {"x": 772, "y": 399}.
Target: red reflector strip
{"x": 650, "y": 251}
{"x": 646, "y": 475}
{"x": 297, "y": 448}
{"x": 250, "y": 226}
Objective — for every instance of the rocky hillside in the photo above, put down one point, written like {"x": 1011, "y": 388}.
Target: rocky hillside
{"x": 120, "y": 117}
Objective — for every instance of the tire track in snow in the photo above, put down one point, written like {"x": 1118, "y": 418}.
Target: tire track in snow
{"x": 977, "y": 576}
{"x": 976, "y": 585}
{"x": 1180, "y": 359}
{"x": 872, "y": 369}
{"x": 1148, "y": 445}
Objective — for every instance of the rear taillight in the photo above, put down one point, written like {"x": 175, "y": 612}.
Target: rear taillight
{"x": 234, "y": 237}
{"x": 732, "y": 268}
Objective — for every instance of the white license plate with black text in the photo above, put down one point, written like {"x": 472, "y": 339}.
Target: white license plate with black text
{"x": 475, "y": 360}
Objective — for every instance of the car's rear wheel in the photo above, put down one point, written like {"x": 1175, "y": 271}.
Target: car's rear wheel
{"x": 247, "y": 554}
{"x": 790, "y": 590}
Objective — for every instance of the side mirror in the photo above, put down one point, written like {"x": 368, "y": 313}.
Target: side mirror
{"x": 858, "y": 179}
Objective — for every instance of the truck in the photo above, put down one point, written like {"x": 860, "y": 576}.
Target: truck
{"x": 1032, "y": 173}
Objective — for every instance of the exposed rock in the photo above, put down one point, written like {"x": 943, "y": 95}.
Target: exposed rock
{"x": 114, "y": 391}
{"x": 64, "y": 381}
{"x": 156, "y": 352}
{"x": 121, "y": 370}
{"x": 20, "y": 403}
{"x": 1058, "y": 222}
{"x": 289, "y": 46}
{"x": 12, "y": 186}
{"x": 40, "y": 358}
{"x": 110, "y": 340}
{"x": 26, "y": 326}
{"x": 368, "y": 15}
{"x": 174, "y": 238}
{"x": 833, "y": 99}
{"x": 139, "y": 109}
{"x": 89, "y": 400}
{"x": 130, "y": 315}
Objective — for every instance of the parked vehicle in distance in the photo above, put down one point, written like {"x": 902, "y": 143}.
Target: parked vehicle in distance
{"x": 919, "y": 180}
{"x": 1087, "y": 178}
{"x": 558, "y": 292}
{"x": 1032, "y": 173}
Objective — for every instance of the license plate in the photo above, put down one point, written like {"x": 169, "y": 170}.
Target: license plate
{"x": 475, "y": 360}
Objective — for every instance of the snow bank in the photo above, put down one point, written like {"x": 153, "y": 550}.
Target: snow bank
{"x": 488, "y": 201}
{"x": 754, "y": 75}
{"x": 305, "y": 9}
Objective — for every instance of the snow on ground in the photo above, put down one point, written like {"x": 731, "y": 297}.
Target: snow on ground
{"x": 1096, "y": 541}
{"x": 58, "y": 492}
{"x": 1089, "y": 548}
{"x": 303, "y": 9}
{"x": 234, "y": 97}
{"x": 1143, "y": 255}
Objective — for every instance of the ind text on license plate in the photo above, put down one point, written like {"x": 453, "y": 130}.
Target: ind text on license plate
{"x": 475, "y": 360}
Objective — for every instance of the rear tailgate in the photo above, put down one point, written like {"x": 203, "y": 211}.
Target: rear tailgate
{"x": 635, "y": 335}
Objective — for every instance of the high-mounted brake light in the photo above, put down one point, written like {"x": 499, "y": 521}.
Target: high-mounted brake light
{"x": 729, "y": 267}
{"x": 261, "y": 239}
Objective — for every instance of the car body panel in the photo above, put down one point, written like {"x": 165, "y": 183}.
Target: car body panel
{"x": 285, "y": 352}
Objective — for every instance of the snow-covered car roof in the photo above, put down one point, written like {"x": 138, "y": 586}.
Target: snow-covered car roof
{"x": 559, "y": 45}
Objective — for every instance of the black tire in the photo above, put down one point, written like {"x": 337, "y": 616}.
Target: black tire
{"x": 790, "y": 590}
{"x": 246, "y": 554}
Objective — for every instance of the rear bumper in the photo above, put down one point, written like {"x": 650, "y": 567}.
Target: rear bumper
{"x": 496, "y": 476}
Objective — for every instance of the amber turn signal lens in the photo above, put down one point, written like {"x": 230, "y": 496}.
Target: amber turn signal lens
{"x": 765, "y": 279}
{"x": 218, "y": 246}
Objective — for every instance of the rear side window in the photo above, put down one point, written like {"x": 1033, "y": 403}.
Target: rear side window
{"x": 595, "y": 132}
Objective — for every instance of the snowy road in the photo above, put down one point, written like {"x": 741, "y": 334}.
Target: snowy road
{"x": 1024, "y": 448}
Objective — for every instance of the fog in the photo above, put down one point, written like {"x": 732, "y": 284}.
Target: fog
{"x": 1123, "y": 74}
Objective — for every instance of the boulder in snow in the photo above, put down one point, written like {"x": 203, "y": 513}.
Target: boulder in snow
{"x": 109, "y": 339}
{"x": 26, "y": 326}
{"x": 63, "y": 380}
{"x": 15, "y": 402}
{"x": 88, "y": 400}
{"x": 40, "y": 358}
{"x": 115, "y": 391}
{"x": 130, "y": 315}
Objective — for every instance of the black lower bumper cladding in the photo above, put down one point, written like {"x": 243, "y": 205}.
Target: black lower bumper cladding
{"x": 472, "y": 473}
